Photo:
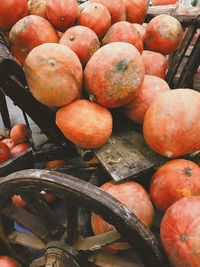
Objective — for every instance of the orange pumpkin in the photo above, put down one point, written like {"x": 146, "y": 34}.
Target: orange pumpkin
{"x": 164, "y": 34}
{"x": 136, "y": 10}
{"x": 82, "y": 40}
{"x": 135, "y": 198}
{"x": 96, "y": 17}
{"x": 62, "y": 13}
{"x": 116, "y": 8}
{"x": 171, "y": 124}
{"x": 28, "y": 33}
{"x": 113, "y": 73}
{"x": 174, "y": 180}
{"x": 4, "y": 152}
{"x": 123, "y": 32}
{"x": 141, "y": 30}
{"x": 54, "y": 163}
{"x": 37, "y": 7}
{"x": 6, "y": 261}
{"x": 86, "y": 124}
{"x": 54, "y": 74}
{"x": 12, "y": 11}
{"x": 151, "y": 88}
{"x": 163, "y": 2}
{"x": 154, "y": 63}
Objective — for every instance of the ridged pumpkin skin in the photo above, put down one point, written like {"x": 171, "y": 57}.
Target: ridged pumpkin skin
{"x": 174, "y": 180}
{"x": 11, "y": 11}
{"x": 171, "y": 124}
{"x": 180, "y": 232}
{"x": 28, "y": 33}
{"x": 141, "y": 30}
{"x": 84, "y": 123}
{"x": 164, "y": 34}
{"x": 136, "y": 10}
{"x": 62, "y": 13}
{"x": 116, "y": 8}
{"x": 154, "y": 63}
{"x": 113, "y": 73}
{"x": 96, "y": 17}
{"x": 82, "y": 40}
{"x": 37, "y": 7}
{"x": 124, "y": 32}
{"x": 54, "y": 74}
{"x": 151, "y": 88}
{"x": 135, "y": 198}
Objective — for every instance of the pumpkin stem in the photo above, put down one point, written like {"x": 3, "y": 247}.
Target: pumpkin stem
{"x": 92, "y": 97}
{"x": 188, "y": 172}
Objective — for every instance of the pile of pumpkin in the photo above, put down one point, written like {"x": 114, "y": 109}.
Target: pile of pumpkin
{"x": 13, "y": 142}
{"x": 88, "y": 59}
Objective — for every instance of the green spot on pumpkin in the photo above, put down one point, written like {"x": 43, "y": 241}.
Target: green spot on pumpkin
{"x": 121, "y": 66}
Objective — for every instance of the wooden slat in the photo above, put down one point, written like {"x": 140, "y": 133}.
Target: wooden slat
{"x": 126, "y": 155}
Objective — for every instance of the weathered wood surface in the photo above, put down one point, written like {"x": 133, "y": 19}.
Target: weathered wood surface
{"x": 87, "y": 195}
{"x": 126, "y": 155}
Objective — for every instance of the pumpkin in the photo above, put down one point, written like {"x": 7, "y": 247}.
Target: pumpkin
{"x": 163, "y": 2}
{"x": 116, "y": 8}
{"x": 54, "y": 163}
{"x": 96, "y": 17}
{"x": 154, "y": 63}
{"x": 6, "y": 261}
{"x": 19, "y": 149}
{"x": 19, "y": 133}
{"x": 164, "y": 34}
{"x": 12, "y": 11}
{"x": 174, "y": 180}
{"x": 62, "y": 13}
{"x": 28, "y": 33}
{"x": 171, "y": 124}
{"x": 136, "y": 10}
{"x": 86, "y": 124}
{"x": 135, "y": 198}
{"x": 54, "y": 74}
{"x": 151, "y": 88}
{"x": 113, "y": 73}
{"x": 8, "y": 142}
{"x": 180, "y": 232}
{"x": 141, "y": 30}
{"x": 123, "y": 32}
{"x": 82, "y": 40}
{"x": 4, "y": 152}
{"x": 18, "y": 201}
{"x": 37, "y": 7}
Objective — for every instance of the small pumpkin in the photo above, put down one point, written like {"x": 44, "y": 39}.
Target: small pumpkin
{"x": 84, "y": 123}
{"x": 37, "y": 7}
{"x": 136, "y": 10}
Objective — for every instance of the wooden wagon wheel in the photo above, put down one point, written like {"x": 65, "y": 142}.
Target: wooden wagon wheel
{"x": 58, "y": 243}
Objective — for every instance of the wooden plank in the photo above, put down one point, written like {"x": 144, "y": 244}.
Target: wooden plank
{"x": 126, "y": 155}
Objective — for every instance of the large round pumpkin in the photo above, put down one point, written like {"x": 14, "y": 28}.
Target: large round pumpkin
{"x": 116, "y": 8}
{"x": 124, "y": 32}
{"x": 180, "y": 232}
{"x": 136, "y": 10}
{"x": 174, "y": 180}
{"x": 154, "y": 63}
{"x": 11, "y": 11}
{"x": 54, "y": 74}
{"x": 30, "y": 32}
{"x": 151, "y": 88}
{"x": 82, "y": 40}
{"x": 37, "y": 7}
{"x": 164, "y": 34}
{"x": 172, "y": 125}
{"x": 113, "y": 73}
{"x": 96, "y": 17}
{"x": 135, "y": 198}
{"x": 84, "y": 123}
{"x": 62, "y": 13}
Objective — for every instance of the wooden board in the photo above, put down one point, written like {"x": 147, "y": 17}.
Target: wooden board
{"x": 126, "y": 155}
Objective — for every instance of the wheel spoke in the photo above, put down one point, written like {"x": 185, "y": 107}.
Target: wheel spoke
{"x": 42, "y": 211}
{"x": 26, "y": 220}
{"x": 97, "y": 242}
{"x": 27, "y": 240}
